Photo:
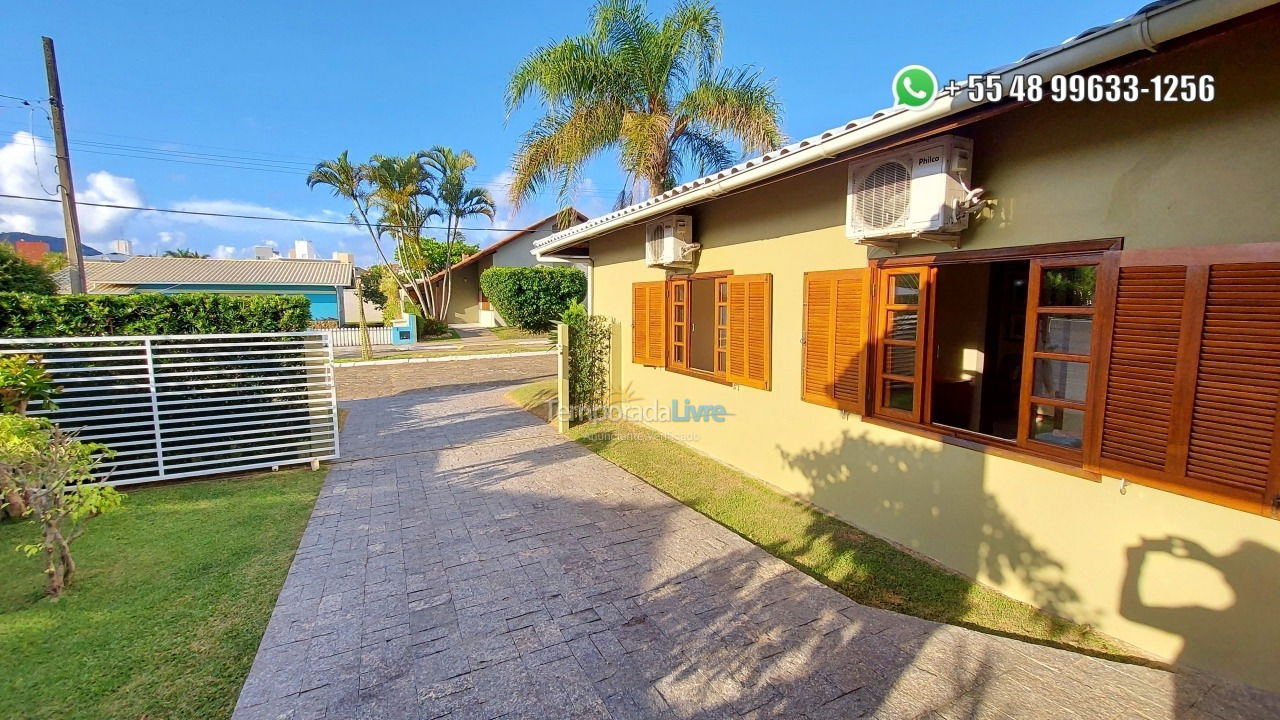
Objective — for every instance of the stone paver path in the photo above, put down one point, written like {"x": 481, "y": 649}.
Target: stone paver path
{"x": 466, "y": 562}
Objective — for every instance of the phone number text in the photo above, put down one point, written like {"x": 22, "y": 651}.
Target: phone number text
{"x": 1091, "y": 88}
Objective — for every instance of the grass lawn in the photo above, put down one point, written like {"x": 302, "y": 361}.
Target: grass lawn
{"x": 164, "y": 617}
{"x": 865, "y": 568}
{"x": 511, "y": 333}
{"x": 451, "y": 353}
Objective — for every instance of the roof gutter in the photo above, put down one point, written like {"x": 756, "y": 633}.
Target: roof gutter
{"x": 1142, "y": 31}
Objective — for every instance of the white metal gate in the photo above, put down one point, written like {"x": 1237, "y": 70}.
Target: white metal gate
{"x": 175, "y": 406}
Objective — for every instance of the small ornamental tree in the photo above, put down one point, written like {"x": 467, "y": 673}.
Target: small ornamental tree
{"x": 533, "y": 298}
{"x": 23, "y": 380}
{"x": 49, "y": 468}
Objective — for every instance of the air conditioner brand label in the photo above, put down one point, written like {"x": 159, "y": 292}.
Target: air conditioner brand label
{"x": 928, "y": 159}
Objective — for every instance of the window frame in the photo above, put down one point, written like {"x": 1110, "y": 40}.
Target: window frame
{"x": 718, "y": 375}
{"x": 1074, "y": 253}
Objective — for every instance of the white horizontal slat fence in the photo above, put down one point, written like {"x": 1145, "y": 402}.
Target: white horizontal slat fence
{"x": 175, "y": 406}
{"x": 350, "y": 336}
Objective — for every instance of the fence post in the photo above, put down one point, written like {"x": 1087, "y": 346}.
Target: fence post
{"x": 155, "y": 407}
{"x": 562, "y": 378}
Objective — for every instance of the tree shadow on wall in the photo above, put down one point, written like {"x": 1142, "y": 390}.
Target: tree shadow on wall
{"x": 925, "y": 500}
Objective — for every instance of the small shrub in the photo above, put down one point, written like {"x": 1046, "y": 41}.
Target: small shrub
{"x": 431, "y": 327}
{"x": 30, "y": 315}
{"x": 18, "y": 275}
{"x": 49, "y": 468}
{"x": 533, "y": 298}
{"x": 589, "y": 343}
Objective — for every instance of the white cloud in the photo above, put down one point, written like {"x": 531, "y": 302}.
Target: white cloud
{"x": 27, "y": 169}
{"x": 223, "y": 252}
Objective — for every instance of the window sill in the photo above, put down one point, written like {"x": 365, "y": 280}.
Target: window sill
{"x": 979, "y": 444}
{"x": 699, "y": 375}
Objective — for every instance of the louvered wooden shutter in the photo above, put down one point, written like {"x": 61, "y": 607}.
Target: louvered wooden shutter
{"x": 1190, "y": 372}
{"x": 835, "y": 321}
{"x": 648, "y": 323}
{"x": 750, "y": 330}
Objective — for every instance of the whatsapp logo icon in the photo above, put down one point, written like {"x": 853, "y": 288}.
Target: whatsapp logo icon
{"x": 914, "y": 86}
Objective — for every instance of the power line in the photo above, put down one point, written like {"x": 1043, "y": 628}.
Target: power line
{"x": 267, "y": 217}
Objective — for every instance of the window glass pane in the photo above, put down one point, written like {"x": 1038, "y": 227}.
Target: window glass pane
{"x": 899, "y": 360}
{"x": 1057, "y": 426}
{"x": 677, "y": 353}
{"x": 722, "y": 291}
{"x": 720, "y": 361}
{"x": 723, "y": 315}
{"x": 677, "y": 334}
{"x": 902, "y": 325}
{"x": 899, "y": 395}
{"x": 1068, "y": 286}
{"x": 1060, "y": 380}
{"x": 679, "y": 292}
{"x": 722, "y": 338}
{"x": 1064, "y": 333}
{"x": 904, "y": 289}
{"x": 677, "y": 313}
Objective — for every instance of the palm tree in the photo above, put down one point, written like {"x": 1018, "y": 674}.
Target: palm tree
{"x": 403, "y": 188}
{"x": 183, "y": 253}
{"x": 455, "y": 202}
{"x": 654, "y": 90}
{"x": 348, "y": 181}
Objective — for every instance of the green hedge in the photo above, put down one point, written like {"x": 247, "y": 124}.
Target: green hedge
{"x": 533, "y": 298}
{"x": 29, "y": 315}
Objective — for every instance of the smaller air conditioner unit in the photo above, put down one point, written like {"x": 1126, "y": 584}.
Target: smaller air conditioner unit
{"x": 919, "y": 191}
{"x": 669, "y": 242}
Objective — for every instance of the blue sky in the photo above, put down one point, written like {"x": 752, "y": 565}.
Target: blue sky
{"x": 285, "y": 84}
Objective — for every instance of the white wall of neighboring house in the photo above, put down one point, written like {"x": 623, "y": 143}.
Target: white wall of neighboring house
{"x": 351, "y": 311}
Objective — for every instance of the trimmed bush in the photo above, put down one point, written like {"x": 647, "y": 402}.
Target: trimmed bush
{"x": 533, "y": 298}
{"x": 29, "y": 315}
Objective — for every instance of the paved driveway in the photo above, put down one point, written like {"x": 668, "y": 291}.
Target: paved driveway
{"x": 466, "y": 562}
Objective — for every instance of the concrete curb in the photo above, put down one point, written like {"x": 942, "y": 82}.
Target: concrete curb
{"x": 409, "y": 361}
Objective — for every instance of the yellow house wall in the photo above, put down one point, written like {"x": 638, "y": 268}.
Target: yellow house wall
{"x": 464, "y": 302}
{"x": 1157, "y": 175}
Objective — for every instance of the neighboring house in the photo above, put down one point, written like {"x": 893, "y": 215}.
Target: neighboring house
{"x": 320, "y": 281}
{"x": 1071, "y": 396}
{"x": 467, "y": 304}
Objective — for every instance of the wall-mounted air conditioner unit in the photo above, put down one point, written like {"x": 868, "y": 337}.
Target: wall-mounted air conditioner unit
{"x": 918, "y": 191}
{"x": 669, "y": 242}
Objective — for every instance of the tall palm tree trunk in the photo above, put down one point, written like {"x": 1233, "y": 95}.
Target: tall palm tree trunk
{"x": 366, "y": 347}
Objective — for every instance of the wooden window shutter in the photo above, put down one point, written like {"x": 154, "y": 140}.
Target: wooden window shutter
{"x": 750, "y": 330}
{"x": 1190, "y": 372}
{"x": 835, "y": 322}
{"x": 648, "y": 323}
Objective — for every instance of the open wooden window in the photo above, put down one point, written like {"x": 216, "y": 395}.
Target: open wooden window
{"x": 648, "y": 323}
{"x": 835, "y": 320}
{"x": 900, "y": 353}
{"x": 678, "y": 312}
{"x": 1055, "y": 368}
{"x": 1188, "y": 379}
{"x": 749, "y": 305}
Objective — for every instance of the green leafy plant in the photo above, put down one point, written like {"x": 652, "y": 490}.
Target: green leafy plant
{"x": 371, "y": 290}
{"x": 18, "y": 275}
{"x": 31, "y": 315}
{"x": 533, "y": 298}
{"x": 50, "y": 469}
{"x": 23, "y": 380}
{"x": 589, "y": 344}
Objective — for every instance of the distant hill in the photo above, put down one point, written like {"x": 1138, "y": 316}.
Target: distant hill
{"x": 56, "y": 244}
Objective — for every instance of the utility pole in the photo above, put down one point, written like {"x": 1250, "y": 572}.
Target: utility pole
{"x": 66, "y": 188}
